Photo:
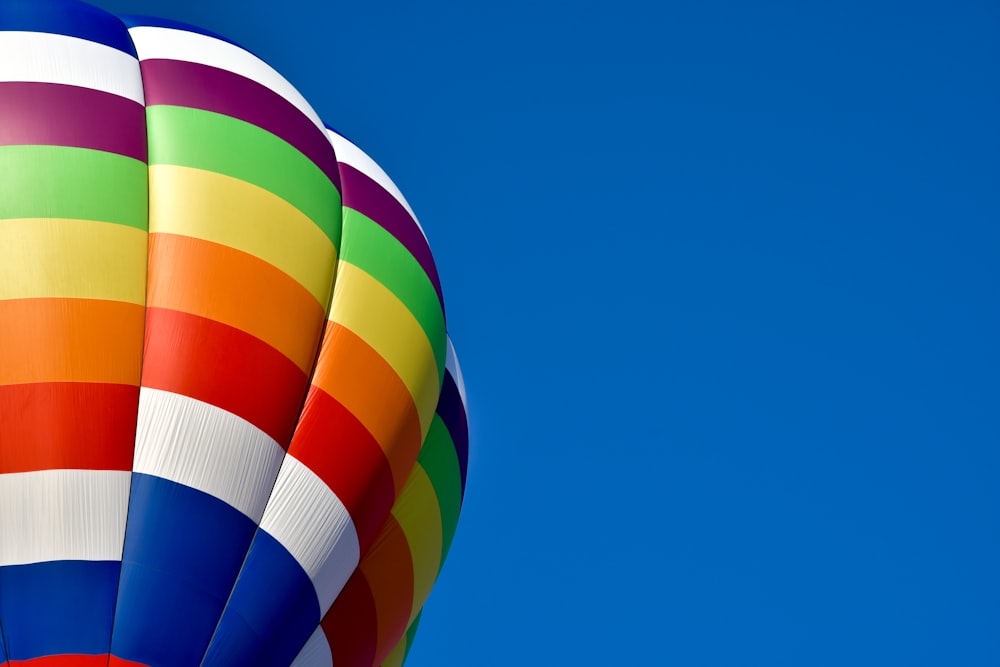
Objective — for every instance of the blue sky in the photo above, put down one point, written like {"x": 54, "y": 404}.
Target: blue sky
{"x": 723, "y": 277}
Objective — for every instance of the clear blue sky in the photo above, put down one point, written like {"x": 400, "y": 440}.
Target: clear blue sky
{"x": 724, "y": 280}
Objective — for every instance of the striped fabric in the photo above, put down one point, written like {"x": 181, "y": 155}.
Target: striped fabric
{"x": 374, "y": 619}
{"x": 73, "y": 235}
{"x": 227, "y": 398}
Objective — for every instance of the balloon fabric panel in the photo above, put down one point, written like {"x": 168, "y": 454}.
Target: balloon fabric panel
{"x": 218, "y": 344}
{"x": 221, "y": 378}
{"x": 72, "y": 339}
{"x": 377, "y": 361}
{"x": 365, "y": 624}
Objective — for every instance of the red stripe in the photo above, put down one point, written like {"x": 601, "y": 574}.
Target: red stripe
{"x": 115, "y": 661}
{"x": 351, "y": 626}
{"x": 76, "y": 660}
{"x": 58, "y": 115}
{"x": 67, "y": 425}
{"x": 225, "y": 367}
{"x": 388, "y": 568}
{"x": 332, "y": 443}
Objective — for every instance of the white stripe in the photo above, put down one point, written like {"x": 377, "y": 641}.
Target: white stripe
{"x": 47, "y": 58}
{"x": 350, "y": 154}
{"x": 206, "y": 448}
{"x": 48, "y": 515}
{"x": 153, "y": 43}
{"x": 451, "y": 364}
{"x": 306, "y": 517}
{"x": 316, "y": 652}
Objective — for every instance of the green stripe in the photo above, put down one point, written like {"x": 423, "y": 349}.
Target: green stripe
{"x": 226, "y": 145}
{"x": 440, "y": 461}
{"x": 411, "y": 632}
{"x": 74, "y": 183}
{"x": 368, "y": 246}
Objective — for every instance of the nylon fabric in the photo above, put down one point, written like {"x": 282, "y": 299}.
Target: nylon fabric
{"x": 355, "y": 375}
{"x": 218, "y": 143}
{"x": 52, "y": 114}
{"x": 79, "y": 259}
{"x": 69, "y": 59}
{"x": 200, "y": 446}
{"x": 353, "y": 159}
{"x": 367, "y": 196}
{"x": 233, "y": 322}
{"x": 75, "y": 183}
{"x": 185, "y": 84}
{"x": 377, "y": 252}
{"x": 73, "y": 202}
{"x": 183, "y": 549}
{"x": 162, "y": 43}
{"x": 376, "y": 315}
{"x": 440, "y": 463}
{"x": 225, "y": 380}
{"x": 305, "y": 516}
{"x": 397, "y": 655}
{"x": 271, "y": 613}
{"x": 373, "y": 621}
{"x": 248, "y": 294}
{"x": 419, "y": 516}
{"x": 55, "y": 515}
{"x": 316, "y": 652}
{"x": 42, "y": 416}
{"x": 229, "y": 212}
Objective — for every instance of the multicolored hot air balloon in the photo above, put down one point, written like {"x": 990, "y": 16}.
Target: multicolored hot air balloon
{"x": 232, "y": 426}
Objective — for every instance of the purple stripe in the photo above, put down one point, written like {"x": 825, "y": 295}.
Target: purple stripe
{"x": 366, "y": 196}
{"x": 198, "y": 86}
{"x": 58, "y": 115}
{"x": 452, "y": 412}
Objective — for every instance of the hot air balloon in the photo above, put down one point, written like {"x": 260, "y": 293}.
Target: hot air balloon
{"x": 232, "y": 425}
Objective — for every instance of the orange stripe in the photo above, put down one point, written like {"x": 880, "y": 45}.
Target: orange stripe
{"x": 362, "y": 381}
{"x": 389, "y": 571}
{"x": 70, "y": 340}
{"x": 230, "y": 286}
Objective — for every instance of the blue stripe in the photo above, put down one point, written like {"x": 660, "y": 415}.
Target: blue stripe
{"x": 58, "y": 607}
{"x": 452, "y": 412}
{"x": 66, "y": 17}
{"x": 271, "y": 613}
{"x": 183, "y": 551}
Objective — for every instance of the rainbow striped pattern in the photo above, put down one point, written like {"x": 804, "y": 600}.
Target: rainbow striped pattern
{"x": 232, "y": 425}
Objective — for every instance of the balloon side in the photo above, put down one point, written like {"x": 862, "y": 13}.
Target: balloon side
{"x": 224, "y": 375}
{"x": 375, "y": 618}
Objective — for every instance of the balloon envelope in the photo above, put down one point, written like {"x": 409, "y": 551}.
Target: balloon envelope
{"x": 232, "y": 426}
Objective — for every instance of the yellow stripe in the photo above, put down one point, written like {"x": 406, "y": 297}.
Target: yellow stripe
{"x": 231, "y": 212}
{"x": 369, "y": 309}
{"x": 60, "y": 257}
{"x": 395, "y": 659}
{"x": 419, "y": 515}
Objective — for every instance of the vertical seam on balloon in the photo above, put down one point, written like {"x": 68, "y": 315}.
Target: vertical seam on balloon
{"x": 308, "y": 386}
{"x": 3, "y": 638}
{"x": 131, "y": 477}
